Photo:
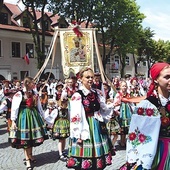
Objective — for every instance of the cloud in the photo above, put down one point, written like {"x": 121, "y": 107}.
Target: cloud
{"x": 157, "y": 17}
{"x": 158, "y": 22}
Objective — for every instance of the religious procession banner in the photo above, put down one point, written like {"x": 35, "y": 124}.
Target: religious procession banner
{"x": 76, "y": 50}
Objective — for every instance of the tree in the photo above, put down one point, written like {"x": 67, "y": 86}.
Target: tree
{"x": 117, "y": 21}
{"x": 1, "y": 4}
{"x": 74, "y": 9}
{"x": 145, "y": 47}
{"x": 38, "y": 36}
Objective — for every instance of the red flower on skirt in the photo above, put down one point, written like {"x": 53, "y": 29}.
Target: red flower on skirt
{"x": 71, "y": 162}
{"x": 132, "y": 136}
{"x": 165, "y": 121}
{"x": 99, "y": 163}
{"x": 86, "y": 164}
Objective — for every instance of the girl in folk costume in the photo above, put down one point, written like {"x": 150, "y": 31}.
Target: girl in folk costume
{"x": 57, "y": 120}
{"x": 44, "y": 92}
{"x": 125, "y": 110}
{"x": 134, "y": 88}
{"x": 89, "y": 146}
{"x": 69, "y": 89}
{"x": 28, "y": 128}
{"x": 149, "y": 134}
{"x": 107, "y": 91}
{"x": 58, "y": 91}
{"x": 6, "y": 106}
{"x": 97, "y": 83}
{"x": 111, "y": 120}
{"x": 116, "y": 83}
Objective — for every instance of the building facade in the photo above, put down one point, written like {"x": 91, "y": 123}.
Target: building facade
{"x": 16, "y": 43}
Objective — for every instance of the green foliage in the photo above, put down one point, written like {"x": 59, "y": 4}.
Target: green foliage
{"x": 119, "y": 23}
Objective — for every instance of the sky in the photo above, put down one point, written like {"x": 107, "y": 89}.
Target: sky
{"x": 157, "y": 14}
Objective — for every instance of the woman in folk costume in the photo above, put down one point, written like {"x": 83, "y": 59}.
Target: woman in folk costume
{"x": 89, "y": 148}
{"x": 149, "y": 134}
{"x": 124, "y": 110}
{"x": 28, "y": 128}
{"x": 57, "y": 120}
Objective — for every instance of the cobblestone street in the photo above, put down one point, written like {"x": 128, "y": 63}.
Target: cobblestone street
{"x": 46, "y": 155}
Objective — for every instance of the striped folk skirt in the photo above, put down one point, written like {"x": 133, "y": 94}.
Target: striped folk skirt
{"x": 93, "y": 153}
{"x": 162, "y": 157}
{"x": 61, "y": 128}
{"x": 31, "y": 130}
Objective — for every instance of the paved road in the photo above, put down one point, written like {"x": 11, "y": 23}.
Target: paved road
{"x": 46, "y": 155}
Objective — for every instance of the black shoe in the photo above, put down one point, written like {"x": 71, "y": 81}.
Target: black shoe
{"x": 65, "y": 154}
{"x": 63, "y": 158}
{"x": 28, "y": 164}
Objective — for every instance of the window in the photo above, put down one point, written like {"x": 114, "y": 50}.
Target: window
{"x": 46, "y": 25}
{"x": 108, "y": 59}
{"x": 3, "y": 18}
{"x": 47, "y": 48}
{"x": 24, "y": 74}
{"x": 63, "y": 26}
{"x": 115, "y": 65}
{"x": 117, "y": 59}
{"x": 127, "y": 60}
{"x": 16, "y": 49}
{"x": 30, "y": 50}
{"x": 26, "y": 22}
{"x": 144, "y": 63}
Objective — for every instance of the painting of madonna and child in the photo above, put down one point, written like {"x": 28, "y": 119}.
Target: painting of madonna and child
{"x": 76, "y": 50}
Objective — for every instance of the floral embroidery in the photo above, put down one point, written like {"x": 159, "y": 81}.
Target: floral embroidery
{"x": 75, "y": 119}
{"x": 108, "y": 159}
{"x": 17, "y": 95}
{"x": 72, "y": 162}
{"x": 86, "y": 164}
{"x": 167, "y": 107}
{"x": 23, "y": 142}
{"x": 147, "y": 112}
{"x": 86, "y": 102}
{"x": 99, "y": 163}
{"x": 165, "y": 121}
{"x": 75, "y": 98}
{"x": 140, "y": 111}
{"x": 136, "y": 138}
{"x": 39, "y": 140}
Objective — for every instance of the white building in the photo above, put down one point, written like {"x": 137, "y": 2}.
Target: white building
{"x": 16, "y": 41}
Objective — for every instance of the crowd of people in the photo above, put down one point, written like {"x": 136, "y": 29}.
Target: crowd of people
{"x": 92, "y": 114}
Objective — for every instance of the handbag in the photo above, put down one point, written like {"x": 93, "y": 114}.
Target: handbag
{"x": 103, "y": 128}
